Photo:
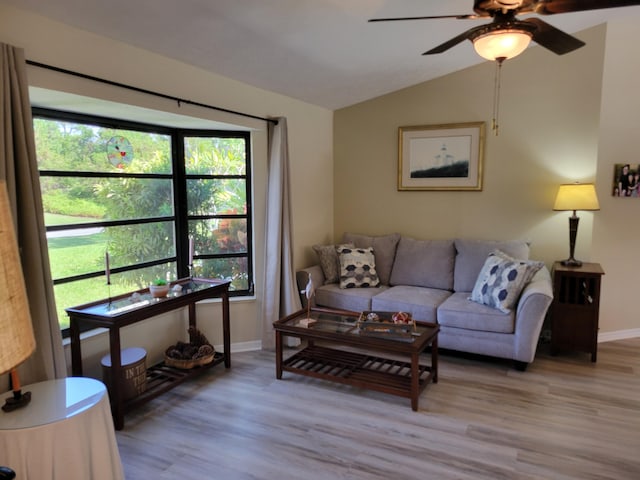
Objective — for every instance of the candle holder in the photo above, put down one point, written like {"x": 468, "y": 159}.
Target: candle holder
{"x": 107, "y": 272}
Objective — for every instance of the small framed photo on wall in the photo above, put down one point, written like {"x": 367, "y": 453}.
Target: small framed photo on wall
{"x": 626, "y": 180}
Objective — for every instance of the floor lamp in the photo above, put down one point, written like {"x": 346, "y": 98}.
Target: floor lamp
{"x": 17, "y": 342}
{"x": 575, "y": 196}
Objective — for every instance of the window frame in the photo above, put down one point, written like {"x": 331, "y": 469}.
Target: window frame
{"x": 179, "y": 178}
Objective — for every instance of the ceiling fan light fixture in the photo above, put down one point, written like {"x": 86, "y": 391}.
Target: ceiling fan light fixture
{"x": 504, "y": 44}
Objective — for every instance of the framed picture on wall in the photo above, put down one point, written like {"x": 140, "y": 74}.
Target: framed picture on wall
{"x": 626, "y": 180}
{"x": 441, "y": 157}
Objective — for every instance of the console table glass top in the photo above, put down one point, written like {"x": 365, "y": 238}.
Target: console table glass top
{"x": 143, "y": 299}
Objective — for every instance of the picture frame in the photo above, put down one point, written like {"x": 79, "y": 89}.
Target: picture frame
{"x": 626, "y": 180}
{"x": 441, "y": 157}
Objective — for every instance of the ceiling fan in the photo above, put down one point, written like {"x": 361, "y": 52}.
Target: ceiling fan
{"x": 506, "y": 36}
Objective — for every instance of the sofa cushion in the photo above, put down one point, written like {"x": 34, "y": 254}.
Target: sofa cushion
{"x": 471, "y": 255}
{"x": 354, "y": 299}
{"x": 384, "y": 248}
{"x": 424, "y": 263}
{"x": 421, "y": 302}
{"x": 501, "y": 345}
{"x": 329, "y": 261}
{"x": 459, "y": 312}
{"x": 502, "y": 279}
{"x": 357, "y": 267}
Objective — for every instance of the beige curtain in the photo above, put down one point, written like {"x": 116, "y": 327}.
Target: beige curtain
{"x": 280, "y": 292}
{"x": 18, "y": 167}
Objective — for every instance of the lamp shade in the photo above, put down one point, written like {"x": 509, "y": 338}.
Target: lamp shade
{"x": 577, "y": 196}
{"x": 502, "y": 44}
{"x": 16, "y": 331}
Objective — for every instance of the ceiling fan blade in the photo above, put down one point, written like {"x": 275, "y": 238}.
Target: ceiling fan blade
{"x": 434, "y": 17}
{"x": 551, "y": 7}
{"x": 454, "y": 41}
{"x": 553, "y": 39}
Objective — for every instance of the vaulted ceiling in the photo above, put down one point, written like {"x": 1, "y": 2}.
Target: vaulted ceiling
{"x": 320, "y": 51}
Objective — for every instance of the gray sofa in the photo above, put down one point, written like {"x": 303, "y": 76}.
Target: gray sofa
{"x": 434, "y": 280}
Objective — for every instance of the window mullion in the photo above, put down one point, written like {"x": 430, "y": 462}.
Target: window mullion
{"x": 181, "y": 207}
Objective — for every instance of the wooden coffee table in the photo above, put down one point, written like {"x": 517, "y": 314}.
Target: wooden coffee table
{"x": 337, "y": 351}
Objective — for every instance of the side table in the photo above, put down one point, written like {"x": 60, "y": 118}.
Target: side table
{"x": 575, "y": 308}
{"x": 65, "y": 432}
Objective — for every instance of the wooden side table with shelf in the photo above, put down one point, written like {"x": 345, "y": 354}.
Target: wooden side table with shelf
{"x": 123, "y": 310}
{"x": 575, "y": 308}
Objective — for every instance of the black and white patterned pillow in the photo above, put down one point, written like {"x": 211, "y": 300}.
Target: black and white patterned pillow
{"x": 502, "y": 279}
{"x": 357, "y": 267}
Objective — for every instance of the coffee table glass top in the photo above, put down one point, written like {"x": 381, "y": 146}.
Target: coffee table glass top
{"x": 348, "y": 324}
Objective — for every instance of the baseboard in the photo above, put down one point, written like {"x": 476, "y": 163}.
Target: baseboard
{"x": 618, "y": 335}
{"x": 242, "y": 346}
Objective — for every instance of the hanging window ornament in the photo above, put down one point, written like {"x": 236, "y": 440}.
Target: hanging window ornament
{"x": 119, "y": 152}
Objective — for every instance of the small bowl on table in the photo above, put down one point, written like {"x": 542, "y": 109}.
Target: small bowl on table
{"x": 159, "y": 291}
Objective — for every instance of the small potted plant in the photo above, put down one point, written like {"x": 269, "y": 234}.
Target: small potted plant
{"x": 159, "y": 288}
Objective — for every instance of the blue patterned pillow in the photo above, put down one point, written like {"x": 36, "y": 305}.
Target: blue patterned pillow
{"x": 502, "y": 279}
{"x": 357, "y": 267}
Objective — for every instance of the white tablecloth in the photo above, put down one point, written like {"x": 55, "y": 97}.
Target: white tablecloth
{"x": 65, "y": 433}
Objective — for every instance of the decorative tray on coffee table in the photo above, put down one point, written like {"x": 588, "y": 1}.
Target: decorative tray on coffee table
{"x": 392, "y": 325}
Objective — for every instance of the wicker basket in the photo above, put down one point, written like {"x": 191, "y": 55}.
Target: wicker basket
{"x": 190, "y": 363}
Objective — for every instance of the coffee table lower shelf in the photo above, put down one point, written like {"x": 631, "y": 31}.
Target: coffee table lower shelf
{"x": 358, "y": 370}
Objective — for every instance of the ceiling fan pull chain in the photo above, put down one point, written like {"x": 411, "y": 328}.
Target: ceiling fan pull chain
{"x": 496, "y": 96}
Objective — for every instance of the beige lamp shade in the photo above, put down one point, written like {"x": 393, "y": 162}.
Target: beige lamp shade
{"x": 17, "y": 342}
{"x": 577, "y": 196}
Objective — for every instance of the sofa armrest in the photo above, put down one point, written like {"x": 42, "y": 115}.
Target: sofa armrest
{"x": 532, "y": 309}
{"x": 302, "y": 278}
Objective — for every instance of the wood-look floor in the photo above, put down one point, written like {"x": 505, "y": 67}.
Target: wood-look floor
{"x": 564, "y": 418}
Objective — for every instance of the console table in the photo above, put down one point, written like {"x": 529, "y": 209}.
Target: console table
{"x": 130, "y": 308}
{"x": 64, "y": 432}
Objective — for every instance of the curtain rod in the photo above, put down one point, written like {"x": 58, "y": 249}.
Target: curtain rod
{"x": 148, "y": 92}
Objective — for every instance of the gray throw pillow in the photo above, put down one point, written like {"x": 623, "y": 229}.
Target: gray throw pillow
{"x": 424, "y": 263}
{"x": 329, "y": 261}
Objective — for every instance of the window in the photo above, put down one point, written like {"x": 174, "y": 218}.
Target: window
{"x": 133, "y": 195}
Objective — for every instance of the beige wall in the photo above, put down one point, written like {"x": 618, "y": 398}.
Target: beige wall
{"x": 343, "y": 169}
{"x": 550, "y": 122}
{"x": 548, "y": 135}
{"x": 616, "y": 225}
{"x": 310, "y": 146}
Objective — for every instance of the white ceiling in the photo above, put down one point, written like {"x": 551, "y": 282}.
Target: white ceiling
{"x": 320, "y": 51}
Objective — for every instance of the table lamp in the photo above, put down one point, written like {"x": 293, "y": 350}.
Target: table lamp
{"x": 17, "y": 342}
{"x": 575, "y": 196}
